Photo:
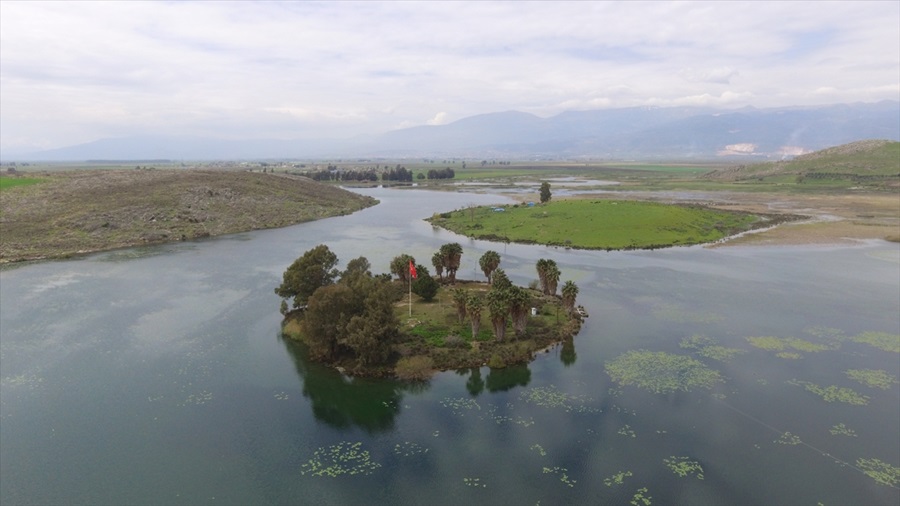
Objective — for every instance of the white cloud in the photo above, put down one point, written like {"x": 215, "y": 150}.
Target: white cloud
{"x": 77, "y": 71}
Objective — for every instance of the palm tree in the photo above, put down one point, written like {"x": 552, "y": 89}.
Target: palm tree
{"x": 489, "y": 263}
{"x": 552, "y": 278}
{"x": 451, "y": 255}
{"x": 569, "y": 292}
{"x": 498, "y": 305}
{"x": 438, "y": 264}
{"x": 460, "y": 299}
{"x": 519, "y": 303}
{"x": 499, "y": 280}
{"x": 473, "y": 307}
{"x": 548, "y": 274}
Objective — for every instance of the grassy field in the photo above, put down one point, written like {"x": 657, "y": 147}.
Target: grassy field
{"x": 598, "y": 224}
{"x": 11, "y": 182}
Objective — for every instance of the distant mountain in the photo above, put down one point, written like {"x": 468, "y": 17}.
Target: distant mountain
{"x": 626, "y": 133}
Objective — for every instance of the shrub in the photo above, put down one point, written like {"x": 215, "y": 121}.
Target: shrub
{"x": 418, "y": 367}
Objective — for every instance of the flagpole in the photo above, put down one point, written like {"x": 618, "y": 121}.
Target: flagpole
{"x": 410, "y": 296}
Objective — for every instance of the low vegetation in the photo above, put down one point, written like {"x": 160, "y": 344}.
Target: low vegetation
{"x": 364, "y": 324}
{"x": 74, "y": 212}
{"x": 600, "y": 224}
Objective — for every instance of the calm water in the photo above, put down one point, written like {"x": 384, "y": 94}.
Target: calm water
{"x": 157, "y": 376}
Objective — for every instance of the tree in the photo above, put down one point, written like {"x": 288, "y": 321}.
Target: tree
{"x": 371, "y": 333}
{"x": 499, "y": 280}
{"x": 545, "y": 192}
{"x": 569, "y": 292}
{"x": 400, "y": 266}
{"x": 498, "y": 305}
{"x": 451, "y": 255}
{"x": 324, "y": 324}
{"x": 519, "y": 305}
{"x": 424, "y": 285}
{"x": 489, "y": 262}
{"x": 473, "y": 308}
{"x": 460, "y": 300}
{"x": 548, "y": 275}
{"x": 438, "y": 263}
{"x": 307, "y": 274}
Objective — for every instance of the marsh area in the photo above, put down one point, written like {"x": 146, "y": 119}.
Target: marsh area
{"x": 157, "y": 375}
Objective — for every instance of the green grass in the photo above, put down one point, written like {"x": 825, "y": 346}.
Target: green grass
{"x": 601, "y": 224}
{"x": 10, "y": 182}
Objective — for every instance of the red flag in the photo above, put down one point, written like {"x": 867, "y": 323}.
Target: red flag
{"x": 412, "y": 270}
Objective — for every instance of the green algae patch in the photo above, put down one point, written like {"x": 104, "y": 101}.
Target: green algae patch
{"x": 788, "y": 439}
{"x": 875, "y": 378}
{"x": 708, "y": 348}
{"x": 661, "y": 372}
{"x": 881, "y": 472}
{"x": 684, "y": 466}
{"x": 342, "y": 458}
{"x": 842, "y": 430}
{"x": 833, "y": 393}
{"x": 617, "y": 479}
{"x": 880, "y": 340}
{"x": 598, "y": 224}
{"x": 771, "y": 343}
{"x": 552, "y": 397}
{"x": 640, "y": 499}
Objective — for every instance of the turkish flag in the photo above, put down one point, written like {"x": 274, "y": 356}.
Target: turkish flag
{"x": 412, "y": 270}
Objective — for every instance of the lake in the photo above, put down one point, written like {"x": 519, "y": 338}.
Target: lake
{"x": 157, "y": 376}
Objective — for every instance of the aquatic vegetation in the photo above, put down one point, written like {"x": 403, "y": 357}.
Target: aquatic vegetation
{"x": 539, "y": 448}
{"x": 640, "y": 499}
{"x": 458, "y": 405}
{"x": 564, "y": 476}
{"x": 790, "y": 355}
{"x": 772, "y": 343}
{"x": 500, "y": 419}
{"x": 788, "y": 439}
{"x": 661, "y": 372}
{"x": 881, "y": 472}
{"x": 875, "y": 378}
{"x": 551, "y": 397}
{"x": 841, "y": 429}
{"x": 880, "y": 340}
{"x": 707, "y": 347}
{"x": 617, "y": 479}
{"x": 198, "y": 398}
{"x": 281, "y": 396}
{"x": 833, "y": 393}
{"x": 626, "y": 431}
{"x": 474, "y": 482}
{"x": 684, "y": 466}
{"x": 342, "y": 458}
{"x": 30, "y": 381}
{"x": 408, "y": 449}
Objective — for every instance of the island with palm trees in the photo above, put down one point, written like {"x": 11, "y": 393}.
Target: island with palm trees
{"x": 409, "y": 323}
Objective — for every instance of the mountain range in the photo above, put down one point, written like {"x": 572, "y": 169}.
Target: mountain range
{"x": 636, "y": 133}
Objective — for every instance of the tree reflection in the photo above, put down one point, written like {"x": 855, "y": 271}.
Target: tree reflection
{"x": 500, "y": 380}
{"x": 567, "y": 355}
{"x": 475, "y": 385}
{"x": 341, "y": 401}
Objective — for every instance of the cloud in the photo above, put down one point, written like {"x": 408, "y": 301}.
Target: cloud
{"x": 76, "y": 71}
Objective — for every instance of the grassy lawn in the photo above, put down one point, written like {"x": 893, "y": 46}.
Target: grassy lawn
{"x": 598, "y": 224}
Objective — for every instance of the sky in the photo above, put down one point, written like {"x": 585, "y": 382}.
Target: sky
{"x": 73, "y": 72}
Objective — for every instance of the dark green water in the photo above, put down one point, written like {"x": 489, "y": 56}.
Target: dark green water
{"x": 157, "y": 376}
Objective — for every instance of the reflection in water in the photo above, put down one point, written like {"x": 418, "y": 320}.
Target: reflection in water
{"x": 341, "y": 401}
{"x": 567, "y": 355}
{"x": 475, "y": 385}
{"x": 500, "y": 380}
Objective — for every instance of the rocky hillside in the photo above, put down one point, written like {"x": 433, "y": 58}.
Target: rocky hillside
{"x": 78, "y": 212}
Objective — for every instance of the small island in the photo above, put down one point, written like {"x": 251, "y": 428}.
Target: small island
{"x": 602, "y": 223}
{"x": 409, "y": 323}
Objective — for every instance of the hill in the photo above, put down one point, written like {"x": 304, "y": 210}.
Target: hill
{"x": 71, "y": 213}
{"x": 869, "y": 163}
